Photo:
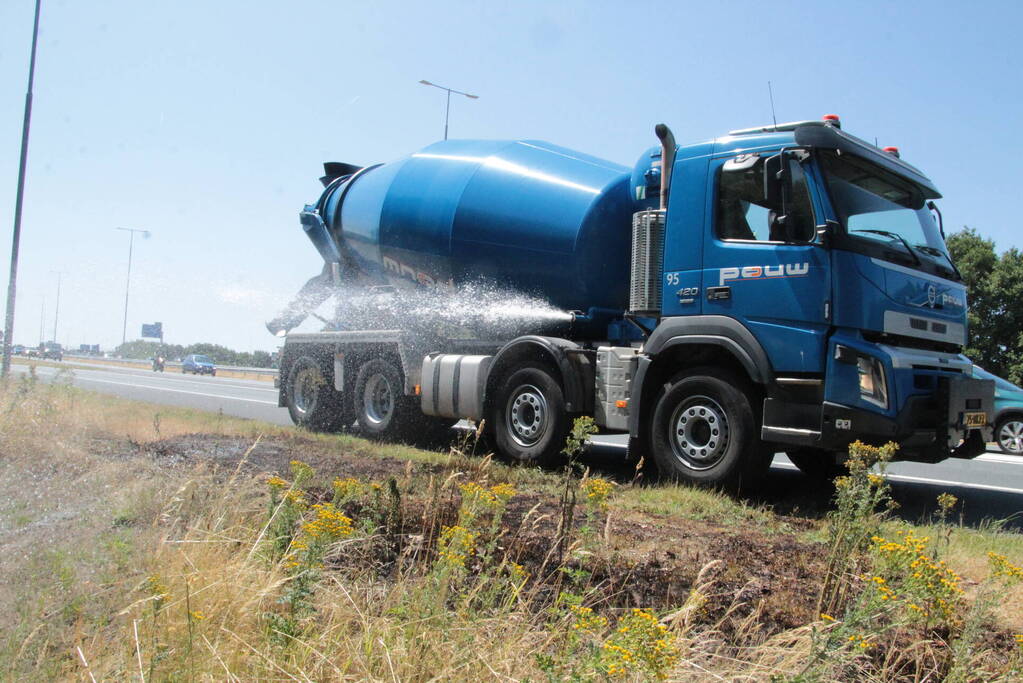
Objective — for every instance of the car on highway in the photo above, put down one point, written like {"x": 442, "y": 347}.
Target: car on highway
{"x": 52, "y": 351}
{"x": 1008, "y": 413}
{"x": 198, "y": 364}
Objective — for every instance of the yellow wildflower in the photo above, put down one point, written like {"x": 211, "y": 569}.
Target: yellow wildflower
{"x": 346, "y": 488}
{"x": 597, "y": 491}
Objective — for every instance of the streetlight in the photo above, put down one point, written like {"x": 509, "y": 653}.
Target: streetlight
{"x": 5, "y": 366}
{"x": 127, "y": 286}
{"x": 56, "y": 313}
{"x": 447, "y": 110}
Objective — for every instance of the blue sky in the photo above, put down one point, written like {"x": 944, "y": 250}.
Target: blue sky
{"x": 207, "y": 122}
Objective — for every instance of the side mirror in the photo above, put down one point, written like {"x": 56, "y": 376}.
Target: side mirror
{"x": 941, "y": 223}
{"x": 777, "y": 181}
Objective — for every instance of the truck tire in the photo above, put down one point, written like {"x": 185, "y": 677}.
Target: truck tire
{"x": 528, "y": 416}
{"x": 312, "y": 400}
{"x": 816, "y": 463}
{"x": 704, "y": 431}
{"x": 381, "y": 406}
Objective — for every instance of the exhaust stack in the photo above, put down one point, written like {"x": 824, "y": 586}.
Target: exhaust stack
{"x": 667, "y": 139}
{"x": 648, "y": 239}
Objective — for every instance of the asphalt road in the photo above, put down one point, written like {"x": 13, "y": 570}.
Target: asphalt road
{"x": 988, "y": 487}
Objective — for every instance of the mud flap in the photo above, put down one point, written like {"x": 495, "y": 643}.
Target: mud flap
{"x": 972, "y": 446}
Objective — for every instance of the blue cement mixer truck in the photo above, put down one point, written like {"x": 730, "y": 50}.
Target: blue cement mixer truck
{"x": 781, "y": 288}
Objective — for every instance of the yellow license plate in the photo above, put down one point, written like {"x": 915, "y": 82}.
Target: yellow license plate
{"x": 975, "y": 419}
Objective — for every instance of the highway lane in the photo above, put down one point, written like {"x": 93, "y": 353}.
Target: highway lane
{"x": 253, "y": 399}
{"x": 989, "y": 486}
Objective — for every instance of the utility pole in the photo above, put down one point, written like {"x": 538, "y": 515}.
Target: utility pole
{"x": 5, "y": 367}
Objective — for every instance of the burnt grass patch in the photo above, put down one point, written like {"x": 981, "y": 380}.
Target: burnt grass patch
{"x": 637, "y": 559}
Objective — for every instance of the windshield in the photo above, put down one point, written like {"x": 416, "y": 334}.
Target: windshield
{"x": 202, "y": 359}
{"x": 873, "y": 204}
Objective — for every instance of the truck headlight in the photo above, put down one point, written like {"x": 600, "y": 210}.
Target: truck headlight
{"x": 873, "y": 387}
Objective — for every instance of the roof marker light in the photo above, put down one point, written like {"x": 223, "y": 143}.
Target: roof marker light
{"x": 894, "y": 151}
{"x": 832, "y": 120}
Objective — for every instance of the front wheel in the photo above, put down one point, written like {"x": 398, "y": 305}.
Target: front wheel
{"x": 704, "y": 432}
{"x": 528, "y": 415}
{"x": 1009, "y": 435}
{"x": 312, "y": 400}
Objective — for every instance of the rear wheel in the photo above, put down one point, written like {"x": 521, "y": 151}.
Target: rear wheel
{"x": 704, "y": 431}
{"x": 1009, "y": 435}
{"x": 528, "y": 415}
{"x": 312, "y": 400}
{"x": 816, "y": 463}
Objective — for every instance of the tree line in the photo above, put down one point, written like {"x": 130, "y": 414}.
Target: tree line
{"x": 221, "y": 355}
{"x": 995, "y": 295}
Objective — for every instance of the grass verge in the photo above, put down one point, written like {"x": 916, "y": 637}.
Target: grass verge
{"x": 154, "y": 543}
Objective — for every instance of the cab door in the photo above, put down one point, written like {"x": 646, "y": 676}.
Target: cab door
{"x": 762, "y": 263}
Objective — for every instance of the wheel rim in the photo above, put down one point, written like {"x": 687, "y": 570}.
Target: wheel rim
{"x": 306, "y": 390}
{"x": 698, "y": 432}
{"x": 378, "y": 400}
{"x": 1010, "y": 436}
{"x": 527, "y": 415}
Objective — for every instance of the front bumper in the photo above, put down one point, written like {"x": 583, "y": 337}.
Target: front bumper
{"x": 929, "y": 428}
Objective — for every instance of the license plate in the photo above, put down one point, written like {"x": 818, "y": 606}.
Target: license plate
{"x": 975, "y": 419}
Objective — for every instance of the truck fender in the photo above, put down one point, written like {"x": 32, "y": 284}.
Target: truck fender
{"x": 576, "y": 368}
{"x": 707, "y": 330}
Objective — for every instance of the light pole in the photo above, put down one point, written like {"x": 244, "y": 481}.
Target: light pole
{"x": 447, "y": 110}
{"x": 5, "y": 366}
{"x": 56, "y": 312}
{"x": 127, "y": 286}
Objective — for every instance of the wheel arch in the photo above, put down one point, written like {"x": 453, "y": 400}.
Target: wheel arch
{"x": 679, "y": 353}
{"x": 572, "y": 368}
{"x": 1007, "y": 414}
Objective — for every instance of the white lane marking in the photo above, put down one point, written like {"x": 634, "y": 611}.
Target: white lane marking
{"x": 1001, "y": 457}
{"x": 179, "y": 391}
{"x": 926, "y": 480}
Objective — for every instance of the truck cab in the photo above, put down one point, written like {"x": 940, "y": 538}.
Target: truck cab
{"x": 812, "y": 262}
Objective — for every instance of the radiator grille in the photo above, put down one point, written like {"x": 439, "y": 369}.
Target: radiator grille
{"x": 647, "y": 256}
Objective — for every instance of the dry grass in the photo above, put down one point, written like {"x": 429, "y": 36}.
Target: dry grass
{"x": 123, "y": 567}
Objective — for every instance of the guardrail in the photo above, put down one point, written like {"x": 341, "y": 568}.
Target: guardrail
{"x": 145, "y": 363}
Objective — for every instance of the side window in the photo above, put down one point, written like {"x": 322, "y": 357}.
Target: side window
{"x": 743, "y": 212}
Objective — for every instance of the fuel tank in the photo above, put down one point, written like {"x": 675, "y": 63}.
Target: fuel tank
{"x": 522, "y": 215}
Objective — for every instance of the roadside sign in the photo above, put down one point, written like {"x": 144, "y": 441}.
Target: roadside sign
{"x": 154, "y": 331}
